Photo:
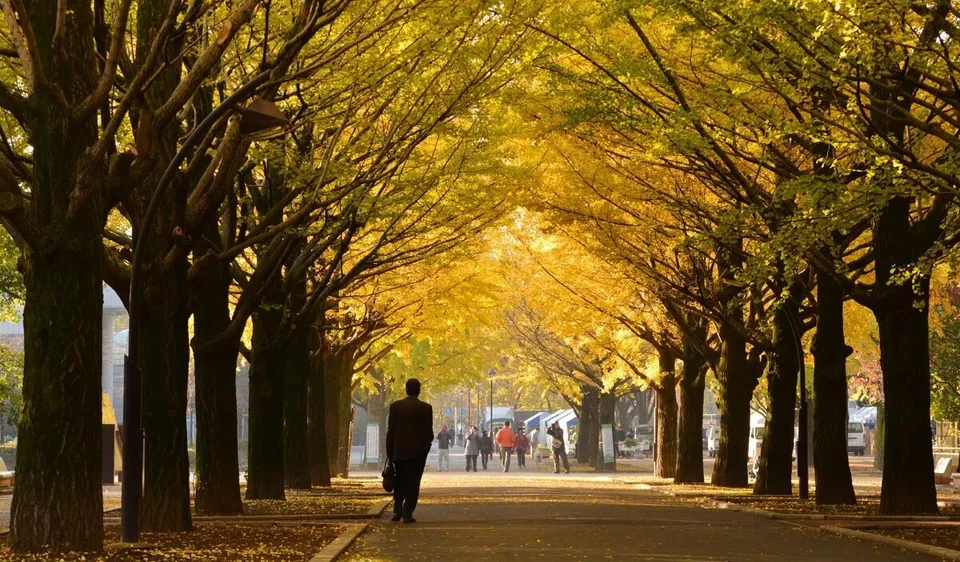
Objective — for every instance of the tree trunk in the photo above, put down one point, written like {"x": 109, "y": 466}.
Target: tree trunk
{"x": 830, "y": 351}
{"x": 908, "y": 483}
{"x": 690, "y": 449}
{"x": 215, "y": 361}
{"x": 317, "y": 423}
{"x": 346, "y": 421}
{"x": 164, "y": 362}
{"x": 733, "y": 401}
{"x": 58, "y": 501}
{"x": 333, "y": 398}
{"x": 666, "y": 466}
{"x": 589, "y": 426}
{"x": 776, "y": 453}
{"x": 265, "y": 450}
{"x": 296, "y": 369}
{"x": 377, "y": 413}
{"x": 608, "y": 412}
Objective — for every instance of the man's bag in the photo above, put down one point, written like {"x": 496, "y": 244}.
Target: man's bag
{"x": 389, "y": 476}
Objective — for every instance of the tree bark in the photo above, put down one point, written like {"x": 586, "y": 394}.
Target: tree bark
{"x": 878, "y": 448}
{"x": 317, "y": 421}
{"x": 776, "y": 452}
{"x": 692, "y": 385}
{"x": 297, "y": 366}
{"x": 58, "y": 501}
{"x": 215, "y": 361}
{"x": 265, "y": 464}
{"x": 164, "y": 364}
{"x": 666, "y": 466}
{"x": 830, "y": 352}
{"x": 589, "y": 427}
{"x": 733, "y": 401}
{"x": 908, "y": 483}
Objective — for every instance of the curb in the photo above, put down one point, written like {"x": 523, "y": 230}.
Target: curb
{"x": 255, "y": 518}
{"x": 377, "y": 509}
{"x": 340, "y": 544}
{"x": 827, "y": 517}
{"x": 936, "y": 551}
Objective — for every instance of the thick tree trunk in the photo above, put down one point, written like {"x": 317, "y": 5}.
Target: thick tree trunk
{"x": 333, "y": 398}
{"x": 830, "y": 352}
{"x": 296, "y": 370}
{"x": 346, "y": 422}
{"x": 589, "y": 426}
{"x": 608, "y": 413}
{"x": 215, "y": 361}
{"x": 666, "y": 466}
{"x": 296, "y": 458}
{"x": 164, "y": 363}
{"x": 733, "y": 400}
{"x": 57, "y": 502}
{"x": 692, "y": 385}
{"x": 776, "y": 452}
{"x": 317, "y": 424}
{"x": 908, "y": 483}
{"x": 265, "y": 464}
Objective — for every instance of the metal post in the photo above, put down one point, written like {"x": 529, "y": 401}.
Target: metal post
{"x": 490, "y": 420}
{"x": 131, "y": 489}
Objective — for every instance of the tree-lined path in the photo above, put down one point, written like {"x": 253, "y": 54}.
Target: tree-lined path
{"x": 542, "y": 516}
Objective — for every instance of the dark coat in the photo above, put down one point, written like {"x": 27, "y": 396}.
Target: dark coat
{"x": 409, "y": 429}
{"x": 486, "y": 444}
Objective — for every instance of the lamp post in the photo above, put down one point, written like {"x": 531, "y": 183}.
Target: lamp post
{"x": 265, "y": 116}
{"x": 491, "y": 374}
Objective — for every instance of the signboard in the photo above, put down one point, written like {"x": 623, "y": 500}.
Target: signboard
{"x": 606, "y": 431}
{"x": 373, "y": 443}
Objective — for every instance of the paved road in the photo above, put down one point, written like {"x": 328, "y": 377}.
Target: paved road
{"x": 563, "y": 517}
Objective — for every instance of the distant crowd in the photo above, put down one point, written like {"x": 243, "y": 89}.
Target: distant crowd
{"x": 479, "y": 446}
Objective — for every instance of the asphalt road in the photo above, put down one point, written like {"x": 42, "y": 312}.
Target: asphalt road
{"x": 518, "y": 517}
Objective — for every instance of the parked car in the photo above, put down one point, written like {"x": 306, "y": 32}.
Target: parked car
{"x": 856, "y": 438}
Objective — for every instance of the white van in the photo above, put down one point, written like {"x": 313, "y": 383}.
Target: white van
{"x": 756, "y": 440}
{"x": 856, "y": 438}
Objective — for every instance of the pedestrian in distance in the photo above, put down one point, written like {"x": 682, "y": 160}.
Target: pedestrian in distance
{"x": 506, "y": 439}
{"x": 409, "y": 438}
{"x": 472, "y": 448}
{"x": 486, "y": 448}
{"x": 443, "y": 447}
{"x": 559, "y": 449}
{"x": 520, "y": 445}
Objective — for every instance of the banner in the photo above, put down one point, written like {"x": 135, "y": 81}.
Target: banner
{"x": 606, "y": 431}
{"x": 373, "y": 443}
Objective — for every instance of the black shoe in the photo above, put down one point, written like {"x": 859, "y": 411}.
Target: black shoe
{"x": 396, "y": 517}
{"x": 567, "y": 472}
{"x": 556, "y": 472}
{"x": 409, "y": 520}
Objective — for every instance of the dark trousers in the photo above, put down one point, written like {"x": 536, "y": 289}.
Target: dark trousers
{"x": 521, "y": 460}
{"x": 407, "y": 490}
{"x": 472, "y": 459}
{"x": 484, "y": 457}
{"x": 558, "y": 455}
{"x": 506, "y": 453}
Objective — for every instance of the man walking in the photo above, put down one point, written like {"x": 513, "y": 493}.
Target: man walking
{"x": 506, "y": 438}
{"x": 559, "y": 449}
{"x": 409, "y": 437}
{"x": 443, "y": 448}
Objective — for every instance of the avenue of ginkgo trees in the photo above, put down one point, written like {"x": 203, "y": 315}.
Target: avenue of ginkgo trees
{"x": 705, "y": 181}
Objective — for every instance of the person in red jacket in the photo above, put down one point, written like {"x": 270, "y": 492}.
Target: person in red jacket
{"x": 520, "y": 446}
{"x": 505, "y": 438}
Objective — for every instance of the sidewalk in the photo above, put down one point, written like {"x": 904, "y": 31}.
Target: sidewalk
{"x": 516, "y": 517}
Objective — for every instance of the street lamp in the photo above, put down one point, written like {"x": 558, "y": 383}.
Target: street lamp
{"x": 492, "y": 373}
{"x": 260, "y": 116}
